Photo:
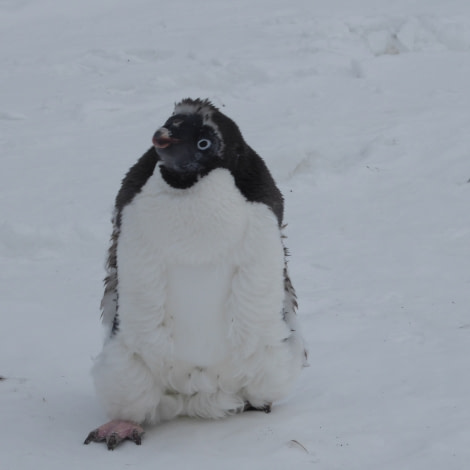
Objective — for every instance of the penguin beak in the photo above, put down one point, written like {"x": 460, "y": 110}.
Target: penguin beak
{"x": 176, "y": 154}
{"x": 162, "y": 138}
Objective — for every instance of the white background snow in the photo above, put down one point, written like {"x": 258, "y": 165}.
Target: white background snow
{"x": 361, "y": 110}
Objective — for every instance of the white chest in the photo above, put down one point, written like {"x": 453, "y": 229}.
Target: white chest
{"x": 198, "y": 225}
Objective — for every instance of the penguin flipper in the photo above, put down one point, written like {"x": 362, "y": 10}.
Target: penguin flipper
{"x": 131, "y": 185}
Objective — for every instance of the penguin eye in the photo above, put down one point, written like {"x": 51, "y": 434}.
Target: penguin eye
{"x": 203, "y": 144}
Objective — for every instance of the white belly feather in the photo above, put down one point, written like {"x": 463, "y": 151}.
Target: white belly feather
{"x": 197, "y": 298}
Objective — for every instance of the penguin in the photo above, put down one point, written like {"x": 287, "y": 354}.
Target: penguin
{"x": 198, "y": 306}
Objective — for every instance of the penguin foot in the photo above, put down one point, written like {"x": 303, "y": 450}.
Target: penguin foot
{"x": 249, "y": 407}
{"x": 116, "y": 431}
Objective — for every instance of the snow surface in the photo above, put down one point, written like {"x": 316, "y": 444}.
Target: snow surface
{"x": 362, "y": 111}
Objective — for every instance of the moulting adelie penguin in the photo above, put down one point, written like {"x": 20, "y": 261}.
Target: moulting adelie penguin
{"x": 198, "y": 301}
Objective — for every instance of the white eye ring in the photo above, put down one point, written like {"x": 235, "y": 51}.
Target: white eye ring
{"x": 203, "y": 144}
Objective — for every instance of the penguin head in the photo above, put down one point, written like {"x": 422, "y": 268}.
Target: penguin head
{"x": 196, "y": 139}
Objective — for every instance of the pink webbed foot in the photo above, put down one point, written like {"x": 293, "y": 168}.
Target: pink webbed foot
{"x": 115, "y": 432}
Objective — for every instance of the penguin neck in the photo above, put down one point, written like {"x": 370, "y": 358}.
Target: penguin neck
{"x": 181, "y": 180}
{"x": 178, "y": 180}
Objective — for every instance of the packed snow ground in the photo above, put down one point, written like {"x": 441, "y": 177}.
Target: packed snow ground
{"x": 362, "y": 112}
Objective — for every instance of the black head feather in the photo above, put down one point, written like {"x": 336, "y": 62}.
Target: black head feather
{"x": 183, "y": 162}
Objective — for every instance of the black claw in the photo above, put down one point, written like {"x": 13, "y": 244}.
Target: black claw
{"x": 92, "y": 437}
{"x": 250, "y": 407}
{"x": 136, "y": 437}
{"x": 112, "y": 441}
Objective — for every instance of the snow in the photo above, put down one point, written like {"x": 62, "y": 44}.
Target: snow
{"x": 361, "y": 110}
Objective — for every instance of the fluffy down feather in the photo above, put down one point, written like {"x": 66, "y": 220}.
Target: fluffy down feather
{"x": 206, "y": 315}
